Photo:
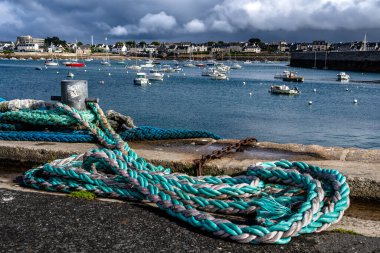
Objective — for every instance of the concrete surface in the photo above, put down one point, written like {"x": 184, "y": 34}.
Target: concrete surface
{"x": 33, "y": 222}
{"x": 362, "y": 167}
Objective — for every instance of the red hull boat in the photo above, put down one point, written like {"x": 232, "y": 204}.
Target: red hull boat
{"x": 75, "y": 64}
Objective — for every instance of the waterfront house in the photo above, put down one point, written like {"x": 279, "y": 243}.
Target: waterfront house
{"x": 320, "y": 45}
{"x": 252, "y": 49}
{"x": 119, "y": 48}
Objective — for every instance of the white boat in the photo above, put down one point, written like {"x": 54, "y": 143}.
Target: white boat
{"x": 147, "y": 65}
{"x": 248, "y": 62}
{"x": 141, "y": 79}
{"x": 283, "y": 90}
{"x": 189, "y": 64}
{"x": 154, "y": 75}
{"x": 134, "y": 67}
{"x": 70, "y": 74}
{"x": 51, "y": 63}
{"x": 167, "y": 69}
{"x": 284, "y": 74}
{"x": 219, "y": 76}
{"x": 235, "y": 65}
{"x": 222, "y": 68}
{"x": 342, "y": 76}
{"x": 106, "y": 61}
{"x": 208, "y": 71}
{"x": 88, "y": 59}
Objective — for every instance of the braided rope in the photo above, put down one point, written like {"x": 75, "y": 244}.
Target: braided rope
{"x": 21, "y": 115}
{"x": 285, "y": 198}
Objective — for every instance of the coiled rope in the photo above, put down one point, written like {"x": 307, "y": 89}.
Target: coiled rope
{"x": 18, "y": 117}
{"x": 285, "y": 198}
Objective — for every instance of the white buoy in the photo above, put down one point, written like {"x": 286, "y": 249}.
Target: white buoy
{"x": 347, "y": 89}
{"x": 101, "y": 82}
{"x": 99, "y": 69}
{"x": 184, "y": 74}
{"x": 250, "y": 94}
{"x": 244, "y": 83}
{"x": 355, "y": 101}
{"x": 168, "y": 76}
{"x": 109, "y": 74}
{"x": 127, "y": 72}
{"x": 85, "y": 70}
{"x": 57, "y": 72}
{"x": 315, "y": 90}
{"x": 310, "y": 102}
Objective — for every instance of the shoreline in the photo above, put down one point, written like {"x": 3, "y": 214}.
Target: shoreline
{"x": 182, "y": 57}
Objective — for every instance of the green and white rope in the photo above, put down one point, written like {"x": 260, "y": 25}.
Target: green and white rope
{"x": 285, "y": 198}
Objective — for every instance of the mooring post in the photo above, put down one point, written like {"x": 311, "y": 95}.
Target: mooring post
{"x": 74, "y": 93}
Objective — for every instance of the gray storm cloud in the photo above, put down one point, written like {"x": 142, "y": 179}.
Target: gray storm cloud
{"x": 174, "y": 20}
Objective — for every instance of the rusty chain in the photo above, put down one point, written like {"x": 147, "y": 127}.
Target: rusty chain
{"x": 216, "y": 154}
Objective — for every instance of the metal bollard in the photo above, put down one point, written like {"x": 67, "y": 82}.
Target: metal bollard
{"x": 74, "y": 93}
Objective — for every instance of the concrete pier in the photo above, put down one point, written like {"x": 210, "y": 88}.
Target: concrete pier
{"x": 360, "y": 166}
{"x": 364, "y": 61}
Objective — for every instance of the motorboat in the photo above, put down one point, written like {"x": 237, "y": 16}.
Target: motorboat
{"x": 141, "y": 79}
{"x": 208, "y": 71}
{"x": 70, "y": 74}
{"x": 154, "y": 75}
{"x": 200, "y": 65}
{"x": 219, "y": 76}
{"x": 222, "y": 68}
{"x": 189, "y": 64}
{"x": 284, "y": 90}
{"x": 284, "y": 74}
{"x": 248, "y": 62}
{"x": 167, "y": 69}
{"x": 342, "y": 76}
{"x": 235, "y": 65}
{"x": 293, "y": 78}
{"x": 38, "y": 68}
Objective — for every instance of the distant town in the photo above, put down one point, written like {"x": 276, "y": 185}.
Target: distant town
{"x": 253, "y": 46}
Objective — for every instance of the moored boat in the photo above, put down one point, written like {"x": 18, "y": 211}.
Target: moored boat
{"x": 293, "y": 78}
{"x": 284, "y": 90}
{"x": 75, "y": 64}
{"x": 342, "y": 76}
{"x": 154, "y": 75}
{"x": 141, "y": 79}
{"x": 219, "y": 76}
{"x": 284, "y": 74}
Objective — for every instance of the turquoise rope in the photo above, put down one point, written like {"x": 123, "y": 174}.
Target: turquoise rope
{"x": 286, "y": 198}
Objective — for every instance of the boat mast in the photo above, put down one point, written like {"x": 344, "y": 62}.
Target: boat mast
{"x": 325, "y": 61}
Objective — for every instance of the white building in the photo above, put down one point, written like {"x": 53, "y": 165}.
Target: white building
{"x": 29, "y": 44}
{"x": 119, "y": 49}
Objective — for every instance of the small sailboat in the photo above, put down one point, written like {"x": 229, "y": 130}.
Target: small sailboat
{"x": 106, "y": 61}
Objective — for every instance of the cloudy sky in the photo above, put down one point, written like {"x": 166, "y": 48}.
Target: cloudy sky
{"x": 191, "y": 20}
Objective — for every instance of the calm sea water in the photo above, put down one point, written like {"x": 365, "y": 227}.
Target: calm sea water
{"x": 188, "y": 100}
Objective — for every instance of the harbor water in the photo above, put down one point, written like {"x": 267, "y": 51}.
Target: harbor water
{"x": 235, "y": 108}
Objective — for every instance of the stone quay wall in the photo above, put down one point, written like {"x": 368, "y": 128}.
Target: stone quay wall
{"x": 363, "y": 61}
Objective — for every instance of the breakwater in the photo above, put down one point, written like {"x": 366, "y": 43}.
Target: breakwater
{"x": 364, "y": 61}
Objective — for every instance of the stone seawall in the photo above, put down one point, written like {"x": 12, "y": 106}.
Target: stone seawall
{"x": 364, "y": 61}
